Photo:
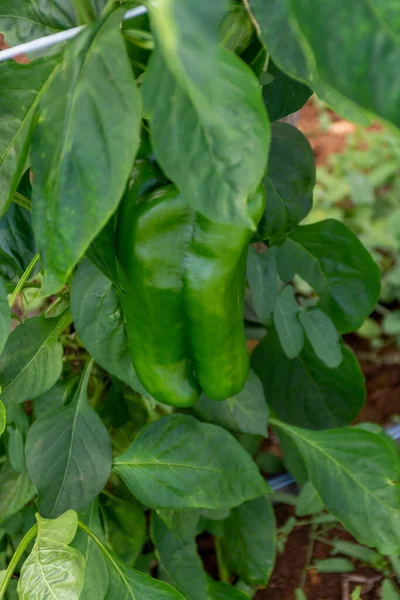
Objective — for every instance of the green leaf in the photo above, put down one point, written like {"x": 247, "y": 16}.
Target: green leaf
{"x": 5, "y": 316}
{"x": 57, "y": 396}
{"x": 17, "y": 243}
{"x": 76, "y": 190}
{"x": 127, "y": 530}
{"x": 98, "y": 319}
{"x": 365, "y": 57}
{"x": 308, "y": 502}
{"x": 322, "y": 336}
{"x": 177, "y": 454}
{"x": 232, "y": 116}
{"x": 356, "y": 475}
{"x": 16, "y": 490}
{"x": 68, "y": 454}
{"x": 391, "y": 323}
{"x": 334, "y": 565}
{"x": 248, "y": 541}
{"x": 31, "y": 359}
{"x": 246, "y": 413}
{"x": 53, "y": 569}
{"x": 287, "y": 324}
{"x": 289, "y": 183}
{"x": 299, "y": 594}
{"x": 102, "y": 252}
{"x": 3, "y": 418}
{"x": 275, "y": 23}
{"x": 21, "y": 87}
{"x": 96, "y": 573}
{"x": 283, "y": 95}
{"x": 336, "y": 264}
{"x": 365, "y": 555}
{"x": 388, "y": 591}
{"x": 304, "y": 391}
{"x": 262, "y": 275}
{"x": 16, "y": 449}
{"x": 223, "y": 591}
{"x": 179, "y": 557}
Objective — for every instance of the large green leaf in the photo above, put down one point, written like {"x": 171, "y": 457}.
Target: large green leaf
{"x": 289, "y": 183}
{"x": 21, "y": 86}
{"x": 178, "y": 556}
{"x": 262, "y": 275}
{"x": 287, "y": 323}
{"x": 335, "y": 263}
{"x": 248, "y": 541}
{"x": 177, "y": 454}
{"x": 96, "y": 572}
{"x": 283, "y": 95}
{"x": 31, "y": 360}
{"x": 246, "y": 413}
{"x": 68, "y": 454}
{"x": 366, "y": 56}
{"x": 57, "y": 396}
{"x": 5, "y": 316}
{"x": 16, "y": 490}
{"x": 98, "y": 319}
{"x": 230, "y": 147}
{"x": 304, "y": 391}
{"x": 356, "y": 475}
{"x": 17, "y": 243}
{"x": 76, "y": 190}
{"x": 102, "y": 252}
{"x": 276, "y": 23}
{"x": 53, "y": 570}
{"x": 127, "y": 529}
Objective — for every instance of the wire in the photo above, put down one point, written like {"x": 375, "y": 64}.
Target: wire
{"x": 57, "y": 38}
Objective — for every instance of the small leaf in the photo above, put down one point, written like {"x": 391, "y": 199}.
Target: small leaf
{"x": 289, "y": 183}
{"x": 391, "y": 323}
{"x": 68, "y": 454}
{"x": 340, "y": 269}
{"x": 245, "y": 413}
{"x": 322, "y": 335}
{"x": 262, "y": 275}
{"x": 16, "y": 490}
{"x": 299, "y": 594}
{"x": 17, "y": 243}
{"x": 57, "y": 396}
{"x": 96, "y": 572}
{"x": 102, "y": 252}
{"x": 361, "y": 553}
{"x": 283, "y": 95}
{"x": 76, "y": 190}
{"x": 223, "y": 591}
{"x": 304, "y": 391}
{"x": 287, "y": 324}
{"x": 16, "y": 449}
{"x": 53, "y": 569}
{"x": 178, "y": 555}
{"x": 127, "y": 530}
{"x": 21, "y": 87}
{"x": 356, "y": 474}
{"x": 5, "y": 316}
{"x": 31, "y": 359}
{"x": 334, "y": 565}
{"x": 388, "y": 591}
{"x": 177, "y": 454}
{"x": 248, "y": 541}
{"x": 98, "y": 319}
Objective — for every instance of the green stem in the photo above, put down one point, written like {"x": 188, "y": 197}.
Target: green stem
{"x": 223, "y": 571}
{"x": 310, "y": 551}
{"x": 84, "y": 11}
{"x": 22, "y": 201}
{"x": 26, "y": 540}
{"x": 23, "y": 280}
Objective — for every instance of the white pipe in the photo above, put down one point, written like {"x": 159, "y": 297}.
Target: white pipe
{"x": 57, "y": 38}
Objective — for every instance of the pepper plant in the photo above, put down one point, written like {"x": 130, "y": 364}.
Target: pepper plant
{"x": 151, "y": 203}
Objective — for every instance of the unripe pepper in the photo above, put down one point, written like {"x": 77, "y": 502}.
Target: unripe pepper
{"x": 183, "y": 278}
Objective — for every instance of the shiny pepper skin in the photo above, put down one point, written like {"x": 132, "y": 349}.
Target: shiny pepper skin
{"x": 184, "y": 281}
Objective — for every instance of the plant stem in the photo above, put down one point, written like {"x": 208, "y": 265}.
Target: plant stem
{"x": 24, "y": 543}
{"x": 84, "y": 11}
{"x": 310, "y": 551}
{"x": 23, "y": 280}
{"x": 223, "y": 572}
{"x": 22, "y": 201}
